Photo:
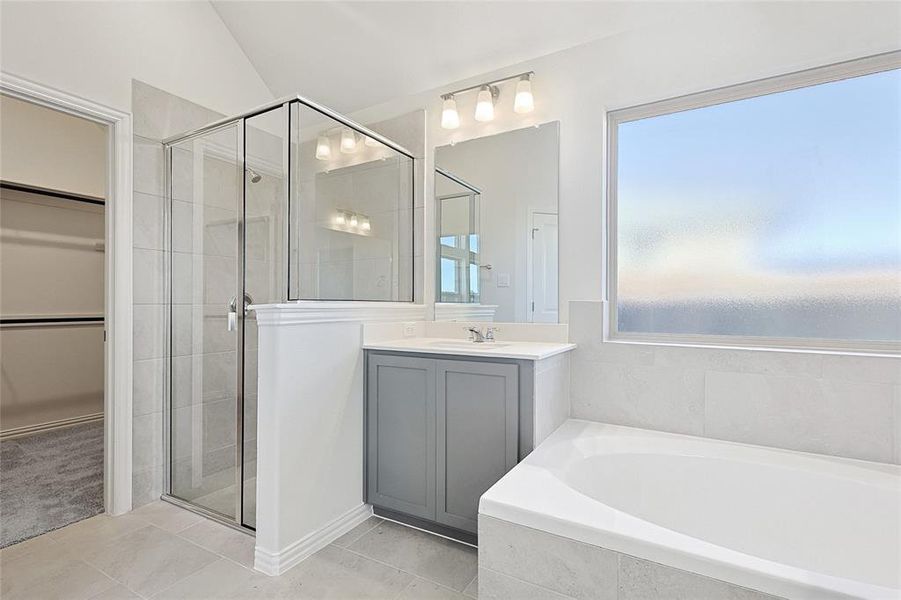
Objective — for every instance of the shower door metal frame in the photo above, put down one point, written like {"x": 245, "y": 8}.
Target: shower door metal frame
{"x": 240, "y": 121}
{"x": 237, "y": 521}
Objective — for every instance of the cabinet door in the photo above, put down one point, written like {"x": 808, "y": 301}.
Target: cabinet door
{"x": 478, "y": 418}
{"x": 401, "y": 434}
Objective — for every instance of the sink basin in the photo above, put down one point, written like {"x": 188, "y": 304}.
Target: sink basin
{"x": 465, "y": 344}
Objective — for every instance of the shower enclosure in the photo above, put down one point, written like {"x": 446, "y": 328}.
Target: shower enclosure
{"x": 288, "y": 202}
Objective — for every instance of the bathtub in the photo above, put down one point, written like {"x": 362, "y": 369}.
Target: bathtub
{"x": 786, "y": 523}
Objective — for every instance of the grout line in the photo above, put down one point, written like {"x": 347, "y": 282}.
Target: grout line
{"x": 537, "y": 585}
{"x": 396, "y": 568}
{"x": 470, "y": 583}
{"x": 405, "y": 588}
{"x": 378, "y": 521}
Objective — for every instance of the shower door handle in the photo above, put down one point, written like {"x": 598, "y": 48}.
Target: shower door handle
{"x": 233, "y": 314}
{"x": 233, "y": 310}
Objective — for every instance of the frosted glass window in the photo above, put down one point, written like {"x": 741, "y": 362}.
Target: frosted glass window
{"x": 776, "y": 216}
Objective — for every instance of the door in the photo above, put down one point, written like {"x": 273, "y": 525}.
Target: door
{"x": 477, "y": 436}
{"x": 543, "y": 269}
{"x": 401, "y": 434}
{"x": 206, "y": 213}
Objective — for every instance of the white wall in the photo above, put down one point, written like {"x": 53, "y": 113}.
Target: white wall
{"x": 95, "y": 49}
{"x": 833, "y": 404}
{"x": 712, "y": 45}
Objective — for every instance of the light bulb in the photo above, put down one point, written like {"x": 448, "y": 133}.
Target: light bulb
{"x": 484, "y": 105}
{"x": 340, "y": 218}
{"x": 323, "y": 148}
{"x": 366, "y": 226}
{"x": 353, "y": 221}
{"x": 450, "y": 118}
{"x": 348, "y": 141}
{"x": 371, "y": 142}
{"x": 524, "y": 102}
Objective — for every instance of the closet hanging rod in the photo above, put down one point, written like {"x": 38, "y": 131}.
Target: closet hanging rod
{"x": 33, "y": 189}
{"x": 47, "y": 321}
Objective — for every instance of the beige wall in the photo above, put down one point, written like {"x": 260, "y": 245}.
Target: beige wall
{"x": 51, "y": 265}
{"x": 50, "y": 149}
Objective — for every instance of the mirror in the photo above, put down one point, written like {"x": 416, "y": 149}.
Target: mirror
{"x": 496, "y": 200}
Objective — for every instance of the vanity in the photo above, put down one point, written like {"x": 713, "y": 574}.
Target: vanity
{"x": 446, "y": 418}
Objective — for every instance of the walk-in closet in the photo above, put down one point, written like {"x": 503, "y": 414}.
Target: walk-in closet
{"x": 52, "y": 265}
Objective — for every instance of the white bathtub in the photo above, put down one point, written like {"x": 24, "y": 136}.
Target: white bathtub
{"x": 787, "y": 523}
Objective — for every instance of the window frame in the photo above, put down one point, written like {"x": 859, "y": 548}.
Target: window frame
{"x": 760, "y": 87}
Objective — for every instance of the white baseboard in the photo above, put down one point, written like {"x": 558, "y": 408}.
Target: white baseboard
{"x": 41, "y": 427}
{"x": 276, "y": 563}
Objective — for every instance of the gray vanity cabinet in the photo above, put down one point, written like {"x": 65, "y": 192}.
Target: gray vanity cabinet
{"x": 478, "y": 406}
{"x": 440, "y": 432}
{"x": 401, "y": 434}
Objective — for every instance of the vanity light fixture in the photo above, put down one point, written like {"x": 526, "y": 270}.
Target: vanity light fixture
{"x": 450, "y": 118}
{"x": 523, "y": 101}
{"x": 349, "y": 221}
{"x": 323, "y": 148}
{"x": 485, "y": 103}
{"x": 348, "y": 141}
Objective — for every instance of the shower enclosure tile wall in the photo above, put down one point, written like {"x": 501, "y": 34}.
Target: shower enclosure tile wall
{"x": 157, "y": 114}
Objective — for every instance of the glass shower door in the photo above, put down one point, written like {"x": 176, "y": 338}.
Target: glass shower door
{"x": 206, "y": 287}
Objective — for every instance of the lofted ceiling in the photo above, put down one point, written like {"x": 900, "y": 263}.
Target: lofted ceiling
{"x": 351, "y": 55}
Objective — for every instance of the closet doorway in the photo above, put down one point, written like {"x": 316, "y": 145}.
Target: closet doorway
{"x": 53, "y": 189}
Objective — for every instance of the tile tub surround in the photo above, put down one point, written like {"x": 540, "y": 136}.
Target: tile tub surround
{"x": 163, "y": 552}
{"x": 523, "y": 563}
{"x": 842, "y": 405}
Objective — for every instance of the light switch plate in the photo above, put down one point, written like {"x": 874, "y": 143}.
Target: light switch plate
{"x": 503, "y": 280}
{"x": 409, "y": 329}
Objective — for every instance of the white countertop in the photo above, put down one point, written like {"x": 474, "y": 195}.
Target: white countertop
{"x": 460, "y": 347}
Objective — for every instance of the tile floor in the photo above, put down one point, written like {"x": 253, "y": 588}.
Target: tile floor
{"x": 161, "y": 551}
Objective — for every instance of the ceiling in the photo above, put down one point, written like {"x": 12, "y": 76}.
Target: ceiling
{"x": 352, "y": 55}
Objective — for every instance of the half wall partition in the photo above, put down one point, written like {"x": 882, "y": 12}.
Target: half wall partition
{"x": 289, "y": 202}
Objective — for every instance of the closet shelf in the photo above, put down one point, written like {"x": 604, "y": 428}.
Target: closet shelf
{"x": 50, "y": 320}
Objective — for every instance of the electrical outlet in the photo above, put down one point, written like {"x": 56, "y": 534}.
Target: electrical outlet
{"x": 409, "y": 329}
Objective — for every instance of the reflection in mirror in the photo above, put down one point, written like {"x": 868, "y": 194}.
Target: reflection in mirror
{"x": 496, "y": 200}
{"x": 458, "y": 239}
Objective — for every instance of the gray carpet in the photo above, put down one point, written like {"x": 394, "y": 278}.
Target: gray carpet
{"x": 49, "y": 480}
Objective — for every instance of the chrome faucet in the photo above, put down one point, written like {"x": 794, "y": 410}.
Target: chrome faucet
{"x": 475, "y": 334}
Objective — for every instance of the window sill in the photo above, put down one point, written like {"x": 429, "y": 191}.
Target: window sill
{"x": 763, "y": 345}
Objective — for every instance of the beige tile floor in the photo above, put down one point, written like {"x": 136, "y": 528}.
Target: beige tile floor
{"x": 161, "y": 551}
